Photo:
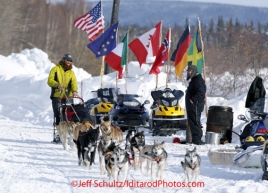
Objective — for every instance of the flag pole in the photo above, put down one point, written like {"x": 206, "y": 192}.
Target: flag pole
{"x": 204, "y": 64}
{"x": 126, "y": 67}
{"x": 102, "y": 62}
{"x": 160, "y": 42}
{"x": 167, "y": 64}
{"x": 116, "y": 74}
{"x": 102, "y": 70}
{"x": 116, "y": 80}
{"x": 81, "y": 87}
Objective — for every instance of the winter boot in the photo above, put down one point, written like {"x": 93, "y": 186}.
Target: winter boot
{"x": 56, "y": 139}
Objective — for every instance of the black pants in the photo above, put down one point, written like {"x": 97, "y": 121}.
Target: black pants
{"x": 194, "y": 123}
{"x": 56, "y": 110}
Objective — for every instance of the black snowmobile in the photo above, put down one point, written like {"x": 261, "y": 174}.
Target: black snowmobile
{"x": 255, "y": 131}
{"x": 129, "y": 112}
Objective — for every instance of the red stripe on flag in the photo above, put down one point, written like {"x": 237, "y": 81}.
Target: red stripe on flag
{"x": 138, "y": 48}
{"x": 182, "y": 49}
{"x": 115, "y": 62}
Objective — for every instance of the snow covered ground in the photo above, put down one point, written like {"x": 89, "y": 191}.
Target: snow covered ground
{"x": 29, "y": 162}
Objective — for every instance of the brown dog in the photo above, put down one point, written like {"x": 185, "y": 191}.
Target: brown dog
{"x": 107, "y": 128}
{"x": 85, "y": 126}
{"x": 66, "y": 133}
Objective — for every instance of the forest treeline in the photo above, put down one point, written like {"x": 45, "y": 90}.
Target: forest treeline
{"x": 229, "y": 46}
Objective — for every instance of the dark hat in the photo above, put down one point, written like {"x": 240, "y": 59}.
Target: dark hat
{"x": 192, "y": 67}
{"x": 68, "y": 57}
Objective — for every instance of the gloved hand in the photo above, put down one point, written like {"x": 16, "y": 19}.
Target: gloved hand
{"x": 75, "y": 94}
{"x": 60, "y": 87}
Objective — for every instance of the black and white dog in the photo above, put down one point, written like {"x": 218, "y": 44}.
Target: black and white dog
{"x": 135, "y": 145}
{"x": 121, "y": 163}
{"x": 191, "y": 165}
{"x": 106, "y": 155}
{"x": 86, "y": 146}
{"x": 157, "y": 156}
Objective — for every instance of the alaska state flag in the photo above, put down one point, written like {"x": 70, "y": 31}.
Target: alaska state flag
{"x": 105, "y": 43}
{"x": 117, "y": 58}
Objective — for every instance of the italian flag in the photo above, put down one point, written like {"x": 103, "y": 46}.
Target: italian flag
{"x": 117, "y": 58}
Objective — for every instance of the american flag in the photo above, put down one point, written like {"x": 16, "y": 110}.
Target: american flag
{"x": 92, "y": 22}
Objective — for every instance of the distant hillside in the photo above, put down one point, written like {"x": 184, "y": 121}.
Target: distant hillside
{"x": 148, "y": 13}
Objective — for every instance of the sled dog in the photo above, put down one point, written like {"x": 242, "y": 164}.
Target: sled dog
{"x": 86, "y": 146}
{"x": 107, "y": 128}
{"x": 85, "y": 126}
{"x": 157, "y": 156}
{"x": 106, "y": 156}
{"x": 121, "y": 163}
{"x": 191, "y": 165}
{"x": 136, "y": 144}
{"x": 66, "y": 133}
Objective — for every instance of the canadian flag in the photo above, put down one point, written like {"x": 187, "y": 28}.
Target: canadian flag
{"x": 146, "y": 46}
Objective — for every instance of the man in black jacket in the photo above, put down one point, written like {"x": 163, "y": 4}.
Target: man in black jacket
{"x": 195, "y": 101}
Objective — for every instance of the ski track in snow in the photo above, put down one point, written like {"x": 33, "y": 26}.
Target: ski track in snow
{"x": 31, "y": 163}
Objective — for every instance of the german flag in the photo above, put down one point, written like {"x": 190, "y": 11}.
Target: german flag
{"x": 179, "y": 56}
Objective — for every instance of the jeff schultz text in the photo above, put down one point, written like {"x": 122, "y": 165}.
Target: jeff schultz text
{"x": 133, "y": 184}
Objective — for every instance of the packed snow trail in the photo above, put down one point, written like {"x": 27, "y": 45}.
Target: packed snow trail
{"x": 31, "y": 163}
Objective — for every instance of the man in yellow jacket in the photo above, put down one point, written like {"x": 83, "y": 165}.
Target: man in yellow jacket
{"x": 63, "y": 82}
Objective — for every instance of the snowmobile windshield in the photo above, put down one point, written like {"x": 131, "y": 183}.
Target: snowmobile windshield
{"x": 106, "y": 95}
{"x": 261, "y": 105}
{"x": 129, "y": 100}
{"x": 167, "y": 96}
{"x": 258, "y": 111}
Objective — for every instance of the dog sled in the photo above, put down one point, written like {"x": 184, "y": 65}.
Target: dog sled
{"x": 73, "y": 109}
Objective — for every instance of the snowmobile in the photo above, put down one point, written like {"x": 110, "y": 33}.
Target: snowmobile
{"x": 129, "y": 112}
{"x": 91, "y": 103}
{"x": 167, "y": 116}
{"x": 252, "y": 137}
{"x": 107, "y": 97}
{"x": 255, "y": 130}
{"x": 252, "y": 152}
